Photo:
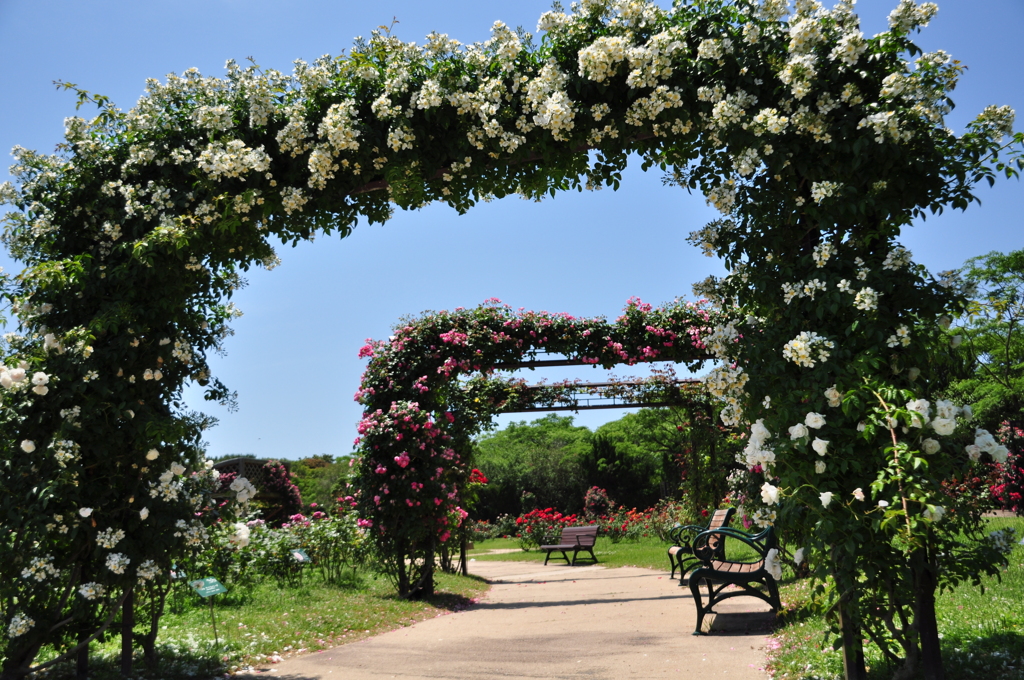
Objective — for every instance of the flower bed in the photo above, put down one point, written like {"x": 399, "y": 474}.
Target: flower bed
{"x": 544, "y": 526}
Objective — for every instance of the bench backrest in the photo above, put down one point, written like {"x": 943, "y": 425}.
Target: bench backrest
{"x": 585, "y": 536}
{"x": 721, "y": 518}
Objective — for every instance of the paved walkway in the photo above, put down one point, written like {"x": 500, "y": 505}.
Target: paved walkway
{"x": 558, "y": 622}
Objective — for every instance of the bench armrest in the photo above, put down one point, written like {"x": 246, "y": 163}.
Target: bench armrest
{"x": 676, "y": 533}
{"x": 704, "y": 549}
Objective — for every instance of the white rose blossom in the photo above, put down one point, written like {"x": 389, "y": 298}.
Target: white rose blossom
{"x": 815, "y": 420}
{"x": 919, "y": 406}
{"x": 807, "y": 349}
{"x": 243, "y": 489}
{"x": 148, "y": 570}
{"x": 769, "y": 494}
{"x": 117, "y": 562}
{"x": 239, "y": 536}
{"x": 20, "y": 624}
{"x": 772, "y": 564}
{"x": 91, "y": 591}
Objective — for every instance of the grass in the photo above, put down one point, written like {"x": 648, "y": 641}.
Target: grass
{"x": 271, "y": 621}
{"x": 495, "y": 544}
{"x": 650, "y": 553}
{"x": 982, "y": 632}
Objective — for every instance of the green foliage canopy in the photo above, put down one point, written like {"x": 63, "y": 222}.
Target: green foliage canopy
{"x": 993, "y": 333}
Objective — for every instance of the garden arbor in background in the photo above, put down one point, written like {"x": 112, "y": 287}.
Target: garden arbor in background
{"x": 433, "y": 386}
{"x": 816, "y": 143}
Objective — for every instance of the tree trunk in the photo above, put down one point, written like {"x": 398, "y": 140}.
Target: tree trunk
{"x": 159, "y": 599}
{"x": 927, "y": 624}
{"x": 127, "y": 629}
{"x": 82, "y": 665}
{"x": 462, "y": 553}
{"x": 401, "y": 550}
{"x": 427, "y": 580}
{"x": 849, "y": 627}
{"x": 853, "y": 646}
{"x": 16, "y": 667}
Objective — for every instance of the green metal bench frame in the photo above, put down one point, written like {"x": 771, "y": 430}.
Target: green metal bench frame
{"x": 717, "y": 574}
{"x": 680, "y": 554}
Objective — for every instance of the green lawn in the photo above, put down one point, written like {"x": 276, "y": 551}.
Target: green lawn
{"x": 278, "y": 621}
{"x": 982, "y": 633}
{"x": 495, "y": 544}
{"x": 650, "y": 553}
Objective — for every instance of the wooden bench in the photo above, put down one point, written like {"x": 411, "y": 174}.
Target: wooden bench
{"x": 680, "y": 555}
{"x": 576, "y": 539}
{"x": 717, "y": 573}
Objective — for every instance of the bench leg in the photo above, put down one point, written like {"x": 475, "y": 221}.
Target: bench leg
{"x": 695, "y": 591}
{"x": 565, "y": 557}
{"x": 773, "y": 594}
{"x": 672, "y": 563}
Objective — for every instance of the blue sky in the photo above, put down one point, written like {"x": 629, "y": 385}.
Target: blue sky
{"x": 293, "y": 358}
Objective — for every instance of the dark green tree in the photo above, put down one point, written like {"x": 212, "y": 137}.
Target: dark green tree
{"x": 542, "y": 457}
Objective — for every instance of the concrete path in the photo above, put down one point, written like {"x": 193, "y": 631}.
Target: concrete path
{"x": 558, "y": 622}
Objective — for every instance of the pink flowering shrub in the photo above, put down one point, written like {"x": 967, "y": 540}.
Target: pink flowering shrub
{"x": 596, "y": 502}
{"x": 1008, "y": 491}
{"x": 279, "y": 482}
{"x": 408, "y": 483}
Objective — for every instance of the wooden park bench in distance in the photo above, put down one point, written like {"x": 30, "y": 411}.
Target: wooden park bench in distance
{"x": 576, "y": 539}
{"x": 680, "y": 555}
{"x": 718, "y": 573}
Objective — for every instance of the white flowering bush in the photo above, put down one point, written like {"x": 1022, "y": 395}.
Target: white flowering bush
{"x": 799, "y": 129}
